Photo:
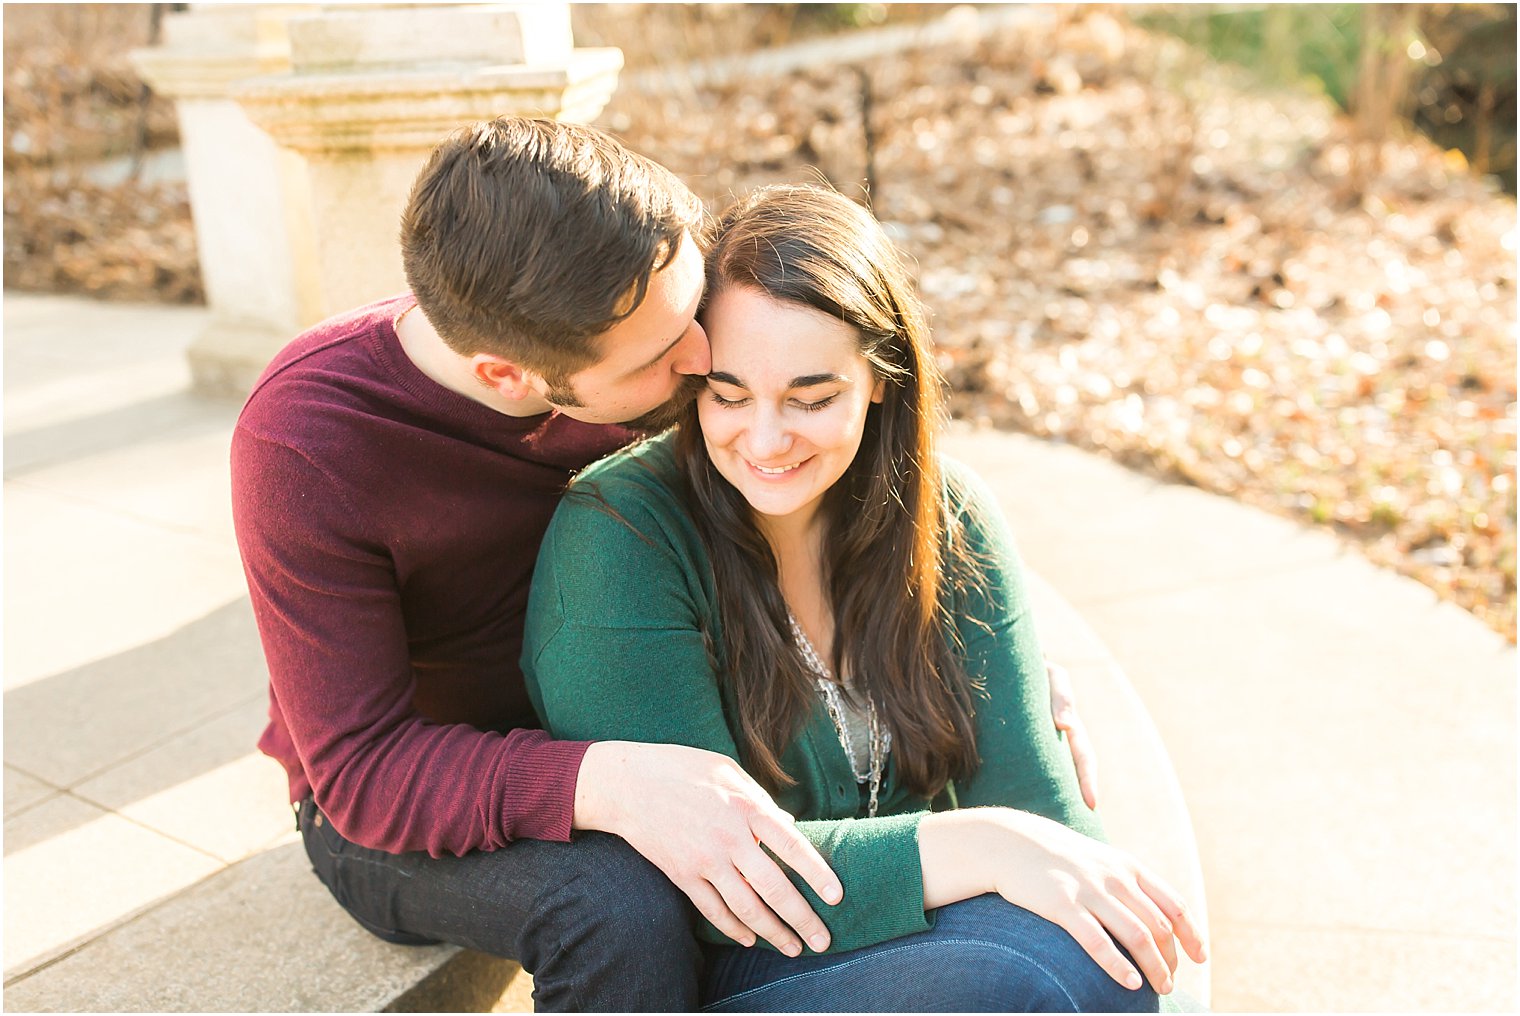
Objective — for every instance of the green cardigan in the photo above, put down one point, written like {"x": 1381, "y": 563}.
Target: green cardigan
{"x": 616, "y": 649}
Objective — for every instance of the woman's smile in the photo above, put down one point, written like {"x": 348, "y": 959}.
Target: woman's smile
{"x": 776, "y": 472}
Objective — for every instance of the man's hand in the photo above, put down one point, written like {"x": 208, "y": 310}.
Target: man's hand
{"x": 701, "y": 819}
{"x": 1063, "y": 709}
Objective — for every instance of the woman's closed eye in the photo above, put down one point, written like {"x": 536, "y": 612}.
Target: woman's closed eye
{"x": 813, "y": 407}
{"x": 806, "y": 407}
{"x": 727, "y": 403}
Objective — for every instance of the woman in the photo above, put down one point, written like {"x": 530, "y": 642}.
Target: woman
{"x": 794, "y": 578}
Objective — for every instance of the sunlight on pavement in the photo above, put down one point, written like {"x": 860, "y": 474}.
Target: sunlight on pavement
{"x": 69, "y": 886}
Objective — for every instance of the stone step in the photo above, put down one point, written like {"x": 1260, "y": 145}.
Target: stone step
{"x": 1139, "y": 798}
{"x": 262, "y": 935}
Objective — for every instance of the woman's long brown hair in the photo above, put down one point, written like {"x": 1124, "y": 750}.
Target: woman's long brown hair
{"x": 888, "y": 542}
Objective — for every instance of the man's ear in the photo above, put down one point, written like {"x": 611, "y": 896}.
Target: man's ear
{"x": 504, "y": 377}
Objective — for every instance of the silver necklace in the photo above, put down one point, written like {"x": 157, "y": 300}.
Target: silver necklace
{"x": 880, "y": 740}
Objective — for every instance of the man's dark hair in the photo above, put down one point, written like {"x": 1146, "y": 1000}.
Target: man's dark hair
{"x": 528, "y": 238}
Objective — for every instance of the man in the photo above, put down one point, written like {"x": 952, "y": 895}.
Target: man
{"x": 393, "y": 473}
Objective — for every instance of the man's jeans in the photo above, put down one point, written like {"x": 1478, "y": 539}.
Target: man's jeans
{"x": 599, "y": 928}
{"x": 982, "y": 955}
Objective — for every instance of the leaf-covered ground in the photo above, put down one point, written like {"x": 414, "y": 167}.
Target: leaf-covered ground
{"x": 73, "y": 102}
{"x": 1127, "y": 249}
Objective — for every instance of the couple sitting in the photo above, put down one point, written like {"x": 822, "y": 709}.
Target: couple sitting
{"x": 792, "y": 581}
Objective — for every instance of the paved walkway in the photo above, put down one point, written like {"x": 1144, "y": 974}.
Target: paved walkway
{"x": 1345, "y": 743}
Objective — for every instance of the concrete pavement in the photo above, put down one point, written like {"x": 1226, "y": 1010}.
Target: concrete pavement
{"x": 1346, "y": 744}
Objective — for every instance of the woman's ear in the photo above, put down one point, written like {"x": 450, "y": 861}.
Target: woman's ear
{"x": 879, "y": 393}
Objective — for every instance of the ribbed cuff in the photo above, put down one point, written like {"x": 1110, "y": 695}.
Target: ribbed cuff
{"x": 538, "y": 799}
{"x": 877, "y": 862}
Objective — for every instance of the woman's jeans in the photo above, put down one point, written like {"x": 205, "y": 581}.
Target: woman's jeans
{"x": 599, "y": 928}
{"x": 982, "y": 955}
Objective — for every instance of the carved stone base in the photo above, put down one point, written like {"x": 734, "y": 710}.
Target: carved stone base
{"x": 229, "y": 355}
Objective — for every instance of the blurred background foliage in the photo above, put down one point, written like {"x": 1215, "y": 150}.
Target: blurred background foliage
{"x": 79, "y": 127}
{"x": 1454, "y": 63}
{"x": 86, "y": 210}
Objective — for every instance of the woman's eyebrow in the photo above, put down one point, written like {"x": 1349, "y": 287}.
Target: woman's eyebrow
{"x": 801, "y": 381}
{"x": 812, "y": 380}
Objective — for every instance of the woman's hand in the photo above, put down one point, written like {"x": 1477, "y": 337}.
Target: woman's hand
{"x": 1090, "y": 889}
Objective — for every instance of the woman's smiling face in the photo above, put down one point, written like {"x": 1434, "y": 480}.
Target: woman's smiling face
{"x": 785, "y": 406}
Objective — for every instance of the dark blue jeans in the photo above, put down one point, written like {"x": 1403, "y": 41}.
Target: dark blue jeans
{"x": 599, "y": 928}
{"x": 982, "y": 955}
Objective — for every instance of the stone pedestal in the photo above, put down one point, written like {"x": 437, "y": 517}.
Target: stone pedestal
{"x": 235, "y": 182}
{"x": 304, "y": 126}
{"x": 370, "y": 92}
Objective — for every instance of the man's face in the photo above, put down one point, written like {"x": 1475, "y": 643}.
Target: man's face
{"x": 653, "y": 360}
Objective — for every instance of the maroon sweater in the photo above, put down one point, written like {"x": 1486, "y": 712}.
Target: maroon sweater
{"x": 388, "y": 528}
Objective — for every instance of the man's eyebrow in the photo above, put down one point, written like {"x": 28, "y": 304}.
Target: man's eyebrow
{"x": 658, "y": 356}
{"x": 801, "y": 381}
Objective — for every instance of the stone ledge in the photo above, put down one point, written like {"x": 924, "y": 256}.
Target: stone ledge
{"x": 414, "y": 108}
{"x": 1139, "y": 798}
{"x": 260, "y": 936}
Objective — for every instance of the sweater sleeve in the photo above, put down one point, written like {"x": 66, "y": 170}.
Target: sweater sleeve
{"x": 615, "y": 649}
{"x": 1024, "y": 762}
{"x": 329, "y": 613}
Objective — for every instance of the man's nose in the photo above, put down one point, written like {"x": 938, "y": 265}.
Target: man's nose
{"x": 694, "y": 355}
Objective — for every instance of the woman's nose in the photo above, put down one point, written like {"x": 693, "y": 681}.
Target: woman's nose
{"x": 768, "y": 437}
